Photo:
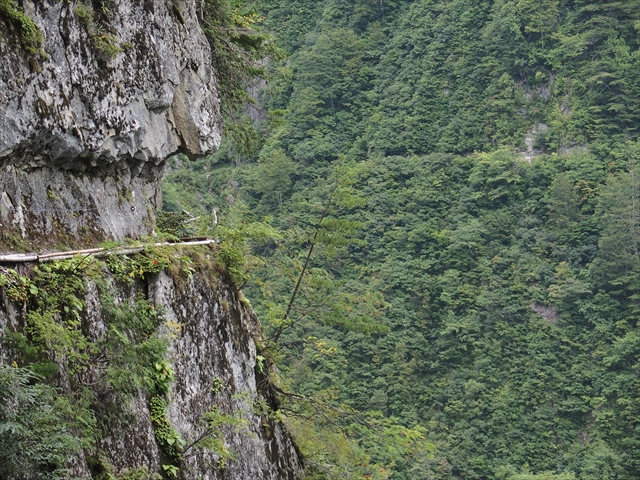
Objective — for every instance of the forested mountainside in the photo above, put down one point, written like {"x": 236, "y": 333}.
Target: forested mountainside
{"x": 452, "y": 189}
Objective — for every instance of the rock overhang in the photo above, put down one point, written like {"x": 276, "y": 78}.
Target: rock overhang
{"x": 78, "y": 108}
{"x": 114, "y": 94}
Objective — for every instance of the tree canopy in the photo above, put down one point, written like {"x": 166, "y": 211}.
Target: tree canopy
{"x": 483, "y": 282}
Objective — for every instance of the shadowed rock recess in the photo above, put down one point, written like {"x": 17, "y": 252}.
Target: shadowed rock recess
{"x": 85, "y": 129}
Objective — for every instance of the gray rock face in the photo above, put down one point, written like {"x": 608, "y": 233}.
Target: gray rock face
{"x": 119, "y": 91}
{"x": 52, "y": 207}
{"x": 217, "y": 332}
{"x": 214, "y": 357}
{"x": 131, "y": 84}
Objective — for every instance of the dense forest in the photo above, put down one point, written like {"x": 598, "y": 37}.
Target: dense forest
{"x": 434, "y": 207}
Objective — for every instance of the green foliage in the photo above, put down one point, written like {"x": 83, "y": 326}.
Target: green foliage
{"x": 618, "y": 244}
{"x": 103, "y": 42}
{"x": 85, "y": 15}
{"x": 134, "y": 347}
{"x": 101, "y": 370}
{"x": 162, "y": 375}
{"x": 239, "y": 48}
{"x": 270, "y": 180}
{"x": 35, "y": 438}
{"x": 31, "y": 37}
{"x": 131, "y": 267}
{"x": 508, "y": 474}
{"x": 480, "y": 278}
{"x": 211, "y": 435}
{"x": 171, "y": 470}
{"x": 141, "y": 473}
{"x": 338, "y": 443}
{"x": 217, "y": 386}
{"x": 167, "y": 438}
{"x": 237, "y": 232}
{"x": 177, "y": 224}
{"x": 459, "y": 288}
{"x": 17, "y": 286}
{"x": 126, "y": 354}
{"x": 456, "y": 76}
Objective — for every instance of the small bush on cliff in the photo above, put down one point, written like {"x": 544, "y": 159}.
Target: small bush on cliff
{"x": 103, "y": 42}
{"x": 34, "y": 437}
{"x": 31, "y": 37}
{"x": 238, "y": 231}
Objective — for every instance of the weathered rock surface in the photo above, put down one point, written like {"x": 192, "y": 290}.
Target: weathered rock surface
{"x": 217, "y": 332}
{"x": 215, "y": 362}
{"x": 82, "y": 109}
{"x": 122, "y": 88}
{"x": 54, "y": 207}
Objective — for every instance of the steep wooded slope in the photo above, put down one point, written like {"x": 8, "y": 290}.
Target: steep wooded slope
{"x": 509, "y": 329}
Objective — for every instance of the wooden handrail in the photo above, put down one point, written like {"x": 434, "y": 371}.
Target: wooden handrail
{"x": 96, "y": 252}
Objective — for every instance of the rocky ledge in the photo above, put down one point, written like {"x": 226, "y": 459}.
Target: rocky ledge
{"x": 116, "y": 88}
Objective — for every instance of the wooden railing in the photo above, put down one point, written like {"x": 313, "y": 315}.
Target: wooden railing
{"x": 98, "y": 252}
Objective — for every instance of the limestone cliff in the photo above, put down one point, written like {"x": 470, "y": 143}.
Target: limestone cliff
{"x": 85, "y": 128}
{"x": 120, "y": 86}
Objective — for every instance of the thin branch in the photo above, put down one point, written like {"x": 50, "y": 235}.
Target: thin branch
{"x": 305, "y": 266}
{"x": 315, "y": 403}
{"x": 206, "y": 432}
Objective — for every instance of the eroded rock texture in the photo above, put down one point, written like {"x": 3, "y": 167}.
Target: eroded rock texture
{"x": 83, "y": 108}
{"x": 123, "y": 86}
{"x": 51, "y": 207}
{"x": 214, "y": 358}
{"x": 218, "y": 333}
